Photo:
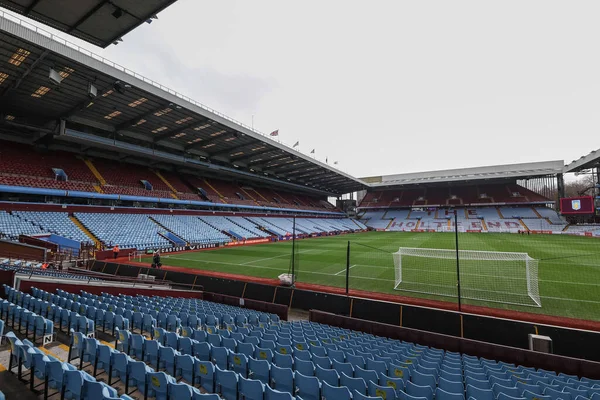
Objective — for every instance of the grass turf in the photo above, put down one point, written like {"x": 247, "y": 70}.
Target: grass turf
{"x": 569, "y": 267}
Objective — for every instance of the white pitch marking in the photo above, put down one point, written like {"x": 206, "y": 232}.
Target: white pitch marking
{"x": 344, "y": 270}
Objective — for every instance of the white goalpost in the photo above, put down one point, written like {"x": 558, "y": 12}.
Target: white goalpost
{"x": 493, "y": 276}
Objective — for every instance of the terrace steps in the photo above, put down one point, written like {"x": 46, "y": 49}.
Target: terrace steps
{"x": 95, "y": 171}
{"x": 166, "y": 182}
{"x": 216, "y": 191}
{"x": 85, "y": 230}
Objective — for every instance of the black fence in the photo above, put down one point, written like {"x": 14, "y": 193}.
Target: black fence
{"x": 566, "y": 342}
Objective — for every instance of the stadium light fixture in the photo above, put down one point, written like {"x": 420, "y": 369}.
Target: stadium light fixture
{"x": 121, "y": 87}
{"x": 152, "y": 18}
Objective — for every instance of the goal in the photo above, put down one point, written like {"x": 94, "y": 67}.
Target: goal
{"x": 490, "y": 276}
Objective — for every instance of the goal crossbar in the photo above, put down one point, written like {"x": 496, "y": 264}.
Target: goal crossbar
{"x": 493, "y": 276}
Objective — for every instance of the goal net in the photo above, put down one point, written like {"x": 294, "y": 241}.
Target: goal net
{"x": 492, "y": 276}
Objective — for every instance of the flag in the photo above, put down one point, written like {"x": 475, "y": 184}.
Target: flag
{"x": 274, "y": 133}
{"x": 313, "y": 151}
{"x": 326, "y": 160}
{"x": 296, "y": 145}
{"x": 335, "y": 163}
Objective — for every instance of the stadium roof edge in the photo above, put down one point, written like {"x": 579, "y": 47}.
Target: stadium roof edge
{"x": 337, "y": 182}
{"x": 522, "y": 170}
{"x": 99, "y": 22}
{"x": 590, "y": 160}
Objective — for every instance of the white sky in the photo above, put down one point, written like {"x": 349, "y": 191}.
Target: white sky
{"x": 388, "y": 87}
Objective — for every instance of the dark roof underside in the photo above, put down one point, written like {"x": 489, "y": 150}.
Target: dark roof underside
{"x": 100, "y": 22}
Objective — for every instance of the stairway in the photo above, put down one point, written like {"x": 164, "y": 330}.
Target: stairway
{"x": 537, "y": 213}
{"x": 96, "y": 173}
{"x": 98, "y": 189}
{"x": 523, "y": 224}
{"x": 484, "y": 225}
{"x": 217, "y": 229}
{"x": 176, "y": 238}
{"x": 216, "y": 191}
{"x": 166, "y": 182}
{"x": 390, "y": 224}
{"x": 85, "y": 230}
{"x": 249, "y": 196}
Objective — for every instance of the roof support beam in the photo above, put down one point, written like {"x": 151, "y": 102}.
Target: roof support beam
{"x": 87, "y": 16}
{"x": 232, "y": 149}
{"x": 170, "y": 132}
{"x": 215, "y": 139}
{"x": 250, "y": 156}
{"x": 25, "y": 73}
{"x": 132, "y": 121}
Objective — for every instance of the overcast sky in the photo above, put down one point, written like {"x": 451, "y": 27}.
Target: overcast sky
{"x": 388, "y": 87}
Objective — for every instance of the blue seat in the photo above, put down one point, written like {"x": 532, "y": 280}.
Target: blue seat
{"x": 441, "y": 394}
{"x": 354, "y": 384}
{"x": 260, "y": 370}
{"x": 74, "y": 382}
{"x": 93, "y": 390}
{"x": 504, "y": 396}
{"x": 532, "y": 396}
{"x": 324, "y": 362}
{"x": 307, "y": 387}
{"x": 263, "y": 354}
{"x": 480, "y": 384}
{"x": 367, "y": 375}
{"x": 238, "y": 363}
{"x": 451, "y": 386}
{"x": 273, "y": 394}
{"x": 359, "y": 396}
{"x": 185, "y": 367}
{"x": 186, "y": 345}
{"x": 205, "y": 375}
{"x": 556, "y": 394}
{"x": 399, "y": 371}
{"x": 304, "y": 367}
{"x": 158, "y": 385}
{"x": 330, "y": 376}
{"x": 479, "y": 393}
{"x": 329, "y": 392}
{"x": 226, "y": 383}
{"x": 419, "y": 391}
{"x": 180, "y": 391}
{"x": 340, "y": 367}
{"x": 421, "y": 379}
{"x": 167, "y": 359}
{"x": 282, "y": 379}
{"x": 137, "y": 376}
{"x": 385, "y": 392}
{"x": 283, "y": 360}
{"x": 250, "y": 389}
{"x": 508, "y": 390}
{"x": 398, "y": 384}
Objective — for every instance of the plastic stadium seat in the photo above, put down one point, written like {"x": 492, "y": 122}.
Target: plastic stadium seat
{"x": 555, "y": 394}
{"x": 360, "y": 396}
{"x": 226, "y": 383}
{"x": 386, "y": 392}
{"x": 441, "y": 394}
{"x": 304, "y": 367}
{"x": 307, "y": 387}
{"x": 479, "y": 394}
{"x": 260, "y": 370}
{"x": 282, "y": 379}
{"x": 329, "y": 392}
{"x": 251, "y": 389}
{"x": 273, "y": 394}
{"x": 330, "y": 376}
{"x": 205, "y": 375}
{"x": 511, "y": 391}
{"x": 531, "y": 396}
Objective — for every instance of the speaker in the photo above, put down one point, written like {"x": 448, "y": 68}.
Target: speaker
{"x": 55, "y": 77}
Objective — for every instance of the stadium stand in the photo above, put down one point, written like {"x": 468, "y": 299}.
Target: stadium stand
{"x": 485, "y": 219}
{"x": 197, "y": 348}
{"x": 54, "y": 222}
{"x": 22, "y": 165}
{"x": 12, "y": 226}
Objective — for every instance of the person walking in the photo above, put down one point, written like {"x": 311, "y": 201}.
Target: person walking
{"x": 116, "y": 251}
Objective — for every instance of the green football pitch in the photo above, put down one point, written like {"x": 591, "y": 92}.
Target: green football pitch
{"x": 568, "y": 268}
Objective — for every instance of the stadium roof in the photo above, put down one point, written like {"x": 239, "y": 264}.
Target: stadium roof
{"x": 591, "y": 160}
{"x": 469, "y": 175}
{"x": 139, "y": 113}
{"x": 100, "y": 22}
